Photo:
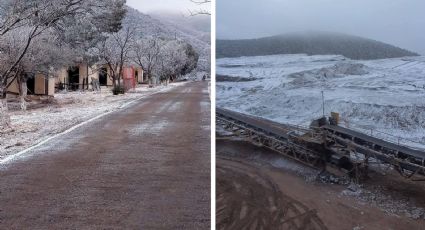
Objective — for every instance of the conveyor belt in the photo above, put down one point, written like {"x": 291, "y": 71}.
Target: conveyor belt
{"x": 273, "y": 135}
{"x": 360, "y": 137}
{"x": 264, "y": 125}
{"x": 314, "y": 150}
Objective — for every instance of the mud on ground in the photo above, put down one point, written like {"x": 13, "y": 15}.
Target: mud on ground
{"x": 258, "y": 189}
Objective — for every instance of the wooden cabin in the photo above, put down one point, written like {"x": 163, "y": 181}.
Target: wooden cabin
{"x": 40, "y": 85}
{"x": 80, "y": 77}
{"x": 76, "y": 78}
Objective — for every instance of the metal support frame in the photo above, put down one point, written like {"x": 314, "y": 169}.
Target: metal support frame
{"x": 293, "y": 146}
{"x": 282, "y": 146}
{"x": 405, "y": 167}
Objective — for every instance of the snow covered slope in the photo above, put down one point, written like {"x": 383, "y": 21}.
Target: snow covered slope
{"x": 384, "y": 97}
{"x": 148, "y": 26}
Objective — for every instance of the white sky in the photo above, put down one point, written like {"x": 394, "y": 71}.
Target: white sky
{"x": 176, "y": 6}
{"x": 397, "y": 22}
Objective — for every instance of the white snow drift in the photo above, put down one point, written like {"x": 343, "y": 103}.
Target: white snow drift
{"x": 384, "y": 98}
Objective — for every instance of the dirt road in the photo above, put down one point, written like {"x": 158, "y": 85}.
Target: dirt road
{"x": 258, "y": 189}
{"x": 144, "y": 167}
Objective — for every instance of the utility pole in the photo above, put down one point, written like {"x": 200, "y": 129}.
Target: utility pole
{"x": 323, "y": 102}
{"x": 323, "y": 94}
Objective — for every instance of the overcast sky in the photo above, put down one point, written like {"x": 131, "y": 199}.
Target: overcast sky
{"x": 397, "y": 22}
{"x": 174, "y": 6}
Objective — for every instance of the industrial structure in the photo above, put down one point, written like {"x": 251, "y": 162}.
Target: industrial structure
{"x": 325, "y": 145}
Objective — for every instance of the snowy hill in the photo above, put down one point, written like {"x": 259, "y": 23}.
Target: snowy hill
{"x": 384, "y": 97}
{"x": 311, "y": 43}
{"x": 148, "y": 26}
{"x": 199, "y": 25}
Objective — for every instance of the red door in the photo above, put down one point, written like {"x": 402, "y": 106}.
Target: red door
{"x": 129, "y": 78}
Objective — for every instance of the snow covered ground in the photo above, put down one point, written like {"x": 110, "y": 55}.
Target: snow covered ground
{"x": 385, "y": 98}
{"x": 67, "y": 109}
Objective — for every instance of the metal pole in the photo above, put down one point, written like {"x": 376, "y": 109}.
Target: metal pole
{"x": 323, "y": 103}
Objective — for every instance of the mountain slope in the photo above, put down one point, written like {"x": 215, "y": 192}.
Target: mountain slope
{"x": 147, "y": 26}
{"x": 311, "y": 43}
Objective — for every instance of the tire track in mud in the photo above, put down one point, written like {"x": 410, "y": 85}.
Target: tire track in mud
{"x": 249, "y": 199}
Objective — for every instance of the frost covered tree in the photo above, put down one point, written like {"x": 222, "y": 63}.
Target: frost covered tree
{"x": 164, "y": 60}
{"x": 146, "y": 54}
{"x": 201, "y": 11}
{"x": 172, "y": 58}
{"x": 191, "y": 61}
{"x": 163, "y": 31}
{"x": 45, "y": 56}
{"x": 115, "y": 53}
{"x": 14, "y": 14}
{"x": 177, "y": 58}
{"x": 84, "y": 32}
{"x": 35, "y": 18}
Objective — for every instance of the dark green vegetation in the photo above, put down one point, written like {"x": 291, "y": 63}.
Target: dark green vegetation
{"x": 311, "y": 43}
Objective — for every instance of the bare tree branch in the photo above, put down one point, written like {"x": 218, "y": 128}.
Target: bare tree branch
{"x": 200, "y": 11}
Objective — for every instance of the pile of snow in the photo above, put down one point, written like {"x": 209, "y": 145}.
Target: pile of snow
{"x": 384, "y": 98}
{"x": 318, "y": 76}
{"x": 349, "y": 69}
